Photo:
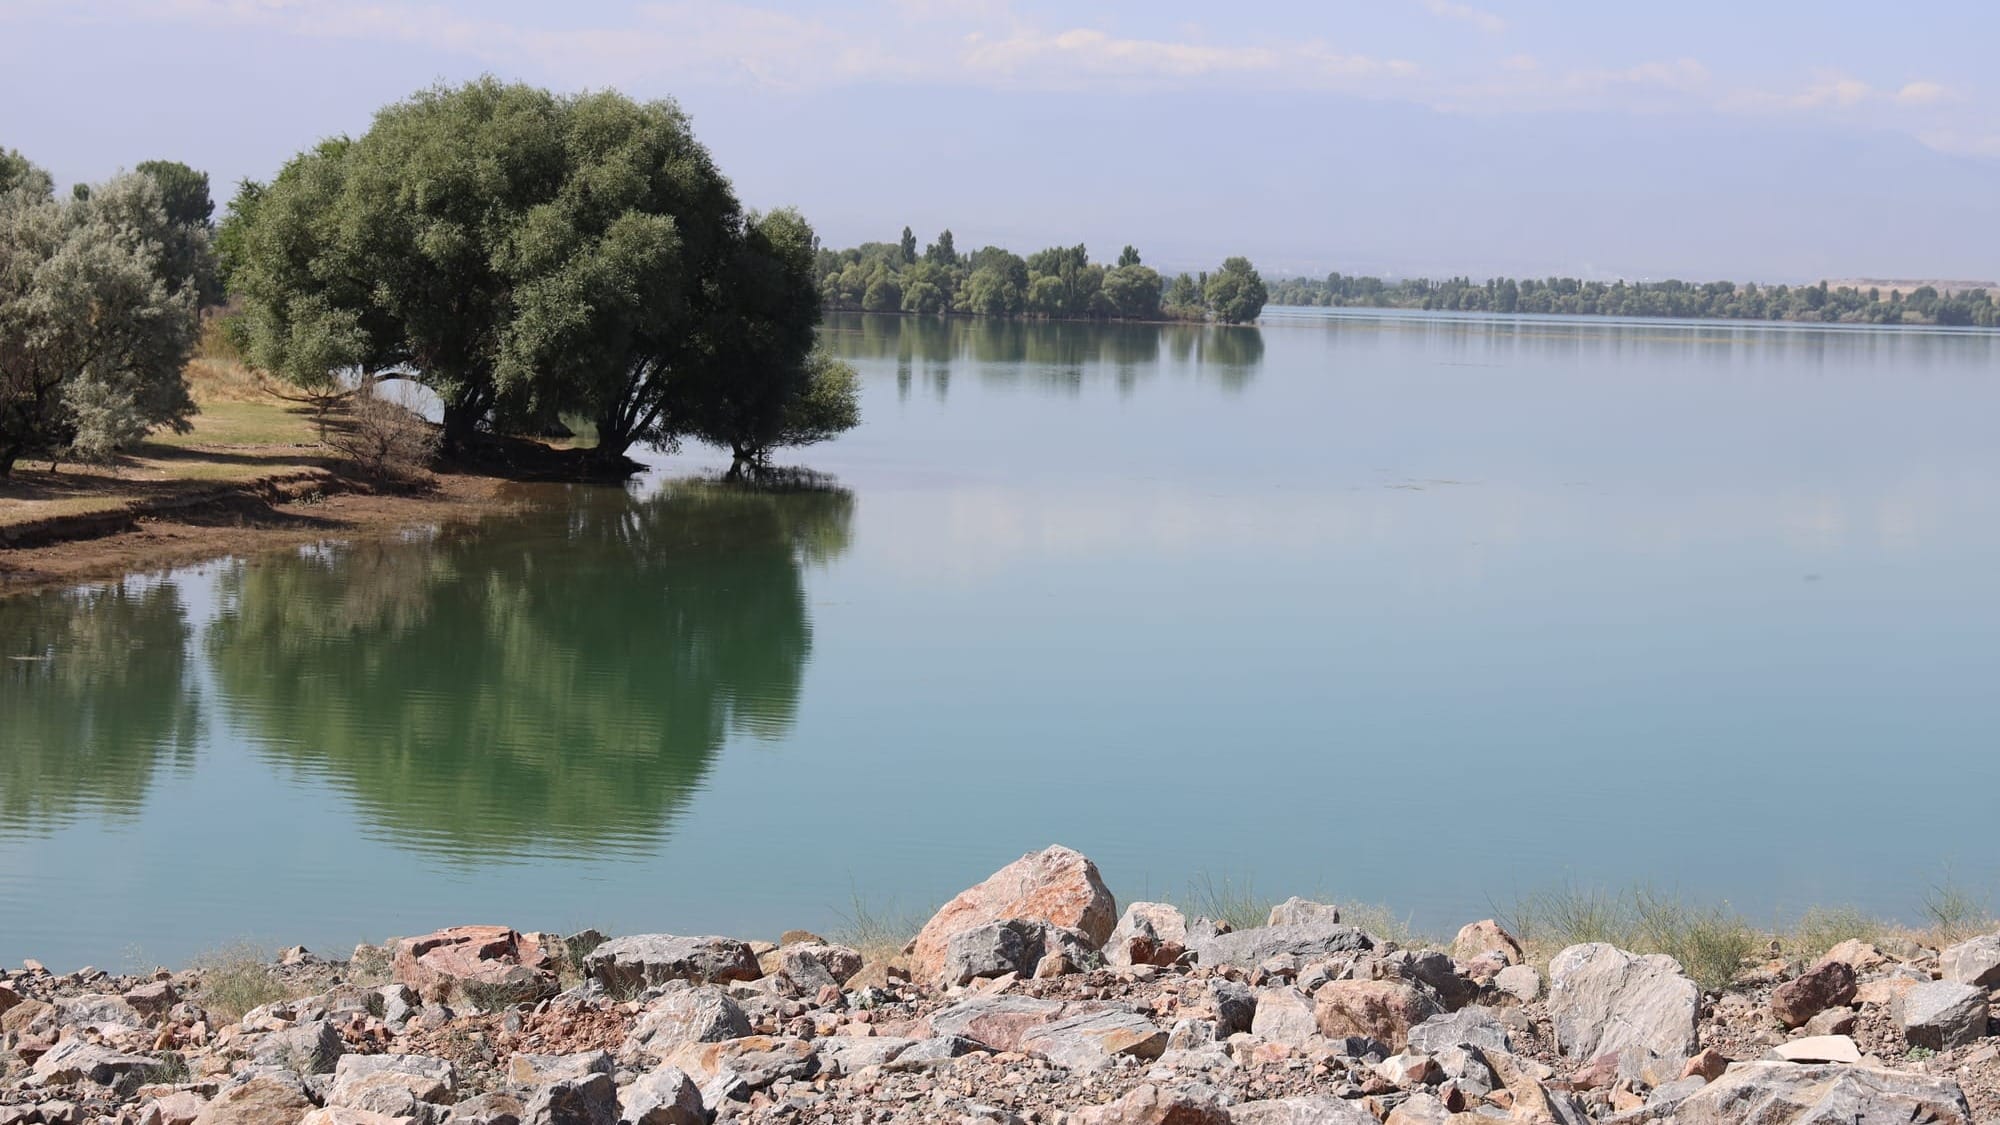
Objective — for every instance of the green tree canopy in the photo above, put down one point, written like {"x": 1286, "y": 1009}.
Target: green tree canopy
{"x": 1235, "y": 294}
{"x": 98, "y": 314}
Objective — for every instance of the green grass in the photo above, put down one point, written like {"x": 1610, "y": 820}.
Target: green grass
{"x": 236, "y": 979}
{"x": 1226, "y": 900}
{"x": 1823, "y": 927}
{"x": 1711, "y": 942}
{"x": 878, "y": 930}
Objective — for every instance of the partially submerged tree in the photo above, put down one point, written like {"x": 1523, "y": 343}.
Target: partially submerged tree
{"x": 97, "y": 317}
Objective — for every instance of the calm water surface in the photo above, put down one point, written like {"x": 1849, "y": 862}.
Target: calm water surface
{"x": 1420, "y": 611}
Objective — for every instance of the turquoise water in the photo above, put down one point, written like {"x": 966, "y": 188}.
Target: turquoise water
{"x": 1430, "y": 612}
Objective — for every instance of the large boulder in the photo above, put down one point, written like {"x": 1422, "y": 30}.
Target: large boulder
{"x": 705, "y": 1014}
{"x": 1973, "y": 962}
{"x": 1376, "y": 1009}
{"x": 997, "y": 1023}
{"x": 1305, "y": 940}
{"x": 1603, "y": 1000}
{"x": 1153, "y": 1105}
{"x": 1941, "y": 1014}
{"x": 1782, "y": 1093}
{"x": 79, "y": 1060}
{"x": 1467, "y": 1027}
{"x": 814, "y": 965}
{"x": 992, "y": 949}
{"x": 1829, "y": 984}
{"x": 487, "y": 966}
{"x": 398, "y": 1085}
{"x": 1284, "y": 1015}
{"x": 1296, "y": 911}
{"x": 1149, "y": 933}
{"x": 1057, "y": 886}
{"x": 589, "y": 1099}
{"x": 640, "y": 961}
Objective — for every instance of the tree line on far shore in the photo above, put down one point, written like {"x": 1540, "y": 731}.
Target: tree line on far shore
{"x": 525, "y": 255}
{"x": 1721, "y": 300}
{"x": 1059, "y": 283}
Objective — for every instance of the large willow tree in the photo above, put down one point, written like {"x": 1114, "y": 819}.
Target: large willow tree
{"x": 525, "y": 255}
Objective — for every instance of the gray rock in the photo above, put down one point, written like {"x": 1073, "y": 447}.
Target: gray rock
{"x": 630, "y": 964}
{"x": 1973, "y": 962}
{"x": 1089, "y": 1040}
{"x": 99, "y": 1011}
{"x": 935, "y": 1051}
{"x": 396, "y": 1085}
{"x": 1296, "y": 911}
{"x": 396, "y": 1003}
{"x": 666, "y": 1096}
{"x": 813, "y": 965}
{"x": 993, "y": 950}
{"x": 694, "y": 1015}
{"x": 1433, "y": 970}
{"x": 1192, "y": 1035}
{"x": 1466, "y": 1067}
{"x": 1522, "y": 982}
{"x": 1780, "y": 1093}
{"x": 1148, "y": 933}
{"x": 1250, "y": 948}
{"x": 540, "y": 1070}
{"x": 79, "y": 1060}
{"x": 1314, "y": 1110}
{"x": 1820, "y": 1049}
{"x": 494, "y": 1108}
{"x": 1467, "y": 1027}
{"x": 1235, "y": 1006}
{"x": 1941, "y": 1014}
{"x": 588, "y": 1100}
{"x": 309, "y": 1048}
{"x": 1603, "y": 1000}
{"x": 995, "y": 1022}
{"x": 841, "y": 1055}
{"x": 1285, "y": 1015}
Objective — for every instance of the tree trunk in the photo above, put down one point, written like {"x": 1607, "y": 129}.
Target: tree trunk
{"x": 461, "y": 421}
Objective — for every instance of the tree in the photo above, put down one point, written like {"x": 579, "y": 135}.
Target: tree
{"x": 1235, "y": 294}
{"x": 1128, "y": 256}
{"x": 17, "y": 172}
{"x": 908, "y": 246}
{"x": 760, "y": 384}
{"x": 93, "y": 336}
{"x": 1132, "y": 292}
{"x": 189, "y": 252}
{"x": 942, "y": 252}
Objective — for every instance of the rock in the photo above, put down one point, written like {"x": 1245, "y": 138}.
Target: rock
{"x": 1833, "y": 1021}
{"x": 1089, "y": 1040}
{"x": 1379, "y": 1009}
{"x": 666, "y": 1096}
{"x": 1148, "y": 933}
{"x": 1708, "y": 1065}
{"x": 8, "y": 997}
{"x": 1465, "y": 1068}
{"x": 1150, "y": 1105}
{"x": 995, "y": 1022}
{"x": 1235, "y": 1006}
{"x": 486, "y": 966}
{"x": 1483, "y": 938}
{"x": 1857, "y": 955}
{"x": 1419, "y": 1109}
{"x": 704, "y": 1014}
{"x": 540, "y": 1070}
{"x": 178, "y": 1108}
{"x": 1296, "y": 911}
{"x": 393, "y": 1084}
{"x": 152, "y": 999}
{"x": 1284, "y": 1015}
{"x": 1603, "y": 1000}
{"x": 1941, "y": 1014}
{"x": 1534, "y": 1103}
{"x": 1467, "y": 1027}
{"x": 1312, "y": 1110}
{"x": 97, "y": 1011}
{"x": 1434, "y": 971}
{"x": 814, "y": 965}
{"x": 992, "y": 949}
{"x": 265, "y": 1099}
{"x": 309, "y": 1048}
{"x": 1057, "y": 886}
{"x": 755, "y": 1061}
{"x": 1973, "y": 962}
{"x": 641, "y": 961}
{"x": 1827, "y": 984}
{"x": 495, "y": 1108}
{"x": 1820, "y": 1049}
{"x": 841, "y": 1055}
{"x": 396, "y": 1003}
{"x": 1253, "y": 947}
{"x": 348, "y": 1115}
{"x": 588, "y": 1100}
{"x": 1522, "y": 982}
{"x": 1780, "y": 1093}
{"x": 79, "y": 1060}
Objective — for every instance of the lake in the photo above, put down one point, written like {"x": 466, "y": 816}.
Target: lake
{"x": 1425, "y": 611}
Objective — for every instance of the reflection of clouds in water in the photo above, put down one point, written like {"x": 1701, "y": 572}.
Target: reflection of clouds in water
{"x": 963, "y": 535}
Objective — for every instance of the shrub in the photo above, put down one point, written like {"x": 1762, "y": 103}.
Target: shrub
{"x": 384, "y": 440}
{"x": 237, "y": 979}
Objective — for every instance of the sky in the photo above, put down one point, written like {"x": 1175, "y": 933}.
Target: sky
{"x": 1767, "y": 140}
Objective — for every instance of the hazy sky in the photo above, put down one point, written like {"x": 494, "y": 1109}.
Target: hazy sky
{"x": 1756, "y": 139}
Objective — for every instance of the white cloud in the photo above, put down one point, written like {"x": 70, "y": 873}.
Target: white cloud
{"x": 1920, "y": 93}
{"x": 1465, "y": 13}
{"x": 1088, "y": 51}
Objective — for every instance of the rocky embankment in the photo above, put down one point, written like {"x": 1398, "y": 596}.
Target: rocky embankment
{"x": 1029, "y": 998}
